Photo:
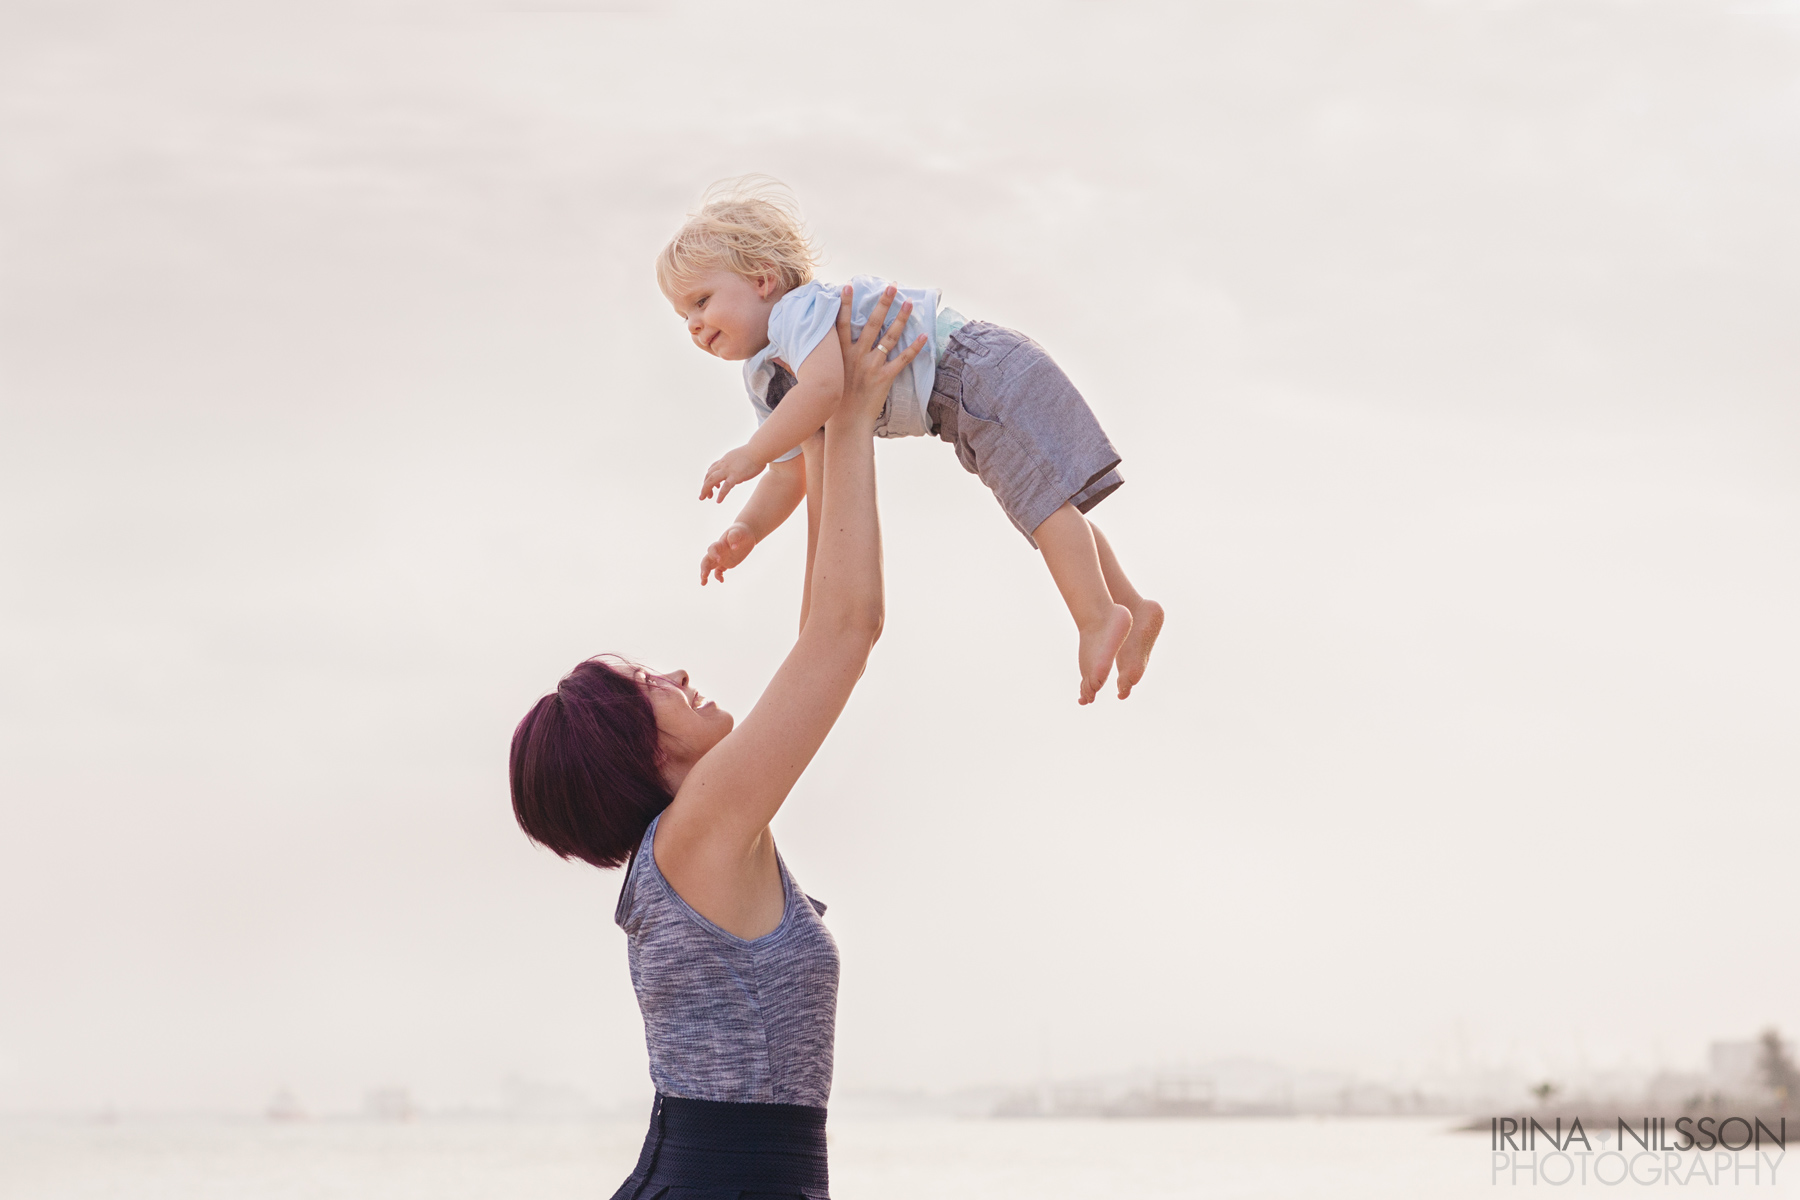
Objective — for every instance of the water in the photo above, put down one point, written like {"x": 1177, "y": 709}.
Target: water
{"x": 872, "y": 1159}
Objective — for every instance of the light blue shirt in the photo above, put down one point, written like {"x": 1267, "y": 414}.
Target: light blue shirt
{"x": 805, "y": 316}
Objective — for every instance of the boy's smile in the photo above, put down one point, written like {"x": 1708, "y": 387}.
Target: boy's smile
{"x": 726, "y": 314}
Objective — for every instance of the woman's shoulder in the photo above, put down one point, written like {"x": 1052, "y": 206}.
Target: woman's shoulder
{"x": 640, "y": 870}
{"x": 649, "y": 900}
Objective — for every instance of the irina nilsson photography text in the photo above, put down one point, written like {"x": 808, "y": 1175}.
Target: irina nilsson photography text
{"x": 971, "y": 601}
{"x": 1692, "y": 1150}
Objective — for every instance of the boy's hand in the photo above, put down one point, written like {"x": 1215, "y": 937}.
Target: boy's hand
{"x": 732, "y": 548}
{"x": 736, "y": 467}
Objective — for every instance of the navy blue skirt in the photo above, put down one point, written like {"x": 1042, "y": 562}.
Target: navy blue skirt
{"x": 712, "y": 1150}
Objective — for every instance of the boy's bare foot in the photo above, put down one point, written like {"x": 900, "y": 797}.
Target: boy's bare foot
{"x": 1134, "y": 654}
{"x": 1099, "y": 647}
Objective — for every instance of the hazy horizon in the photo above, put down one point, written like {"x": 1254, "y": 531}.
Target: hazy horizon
{"x": 1450, "y": 349}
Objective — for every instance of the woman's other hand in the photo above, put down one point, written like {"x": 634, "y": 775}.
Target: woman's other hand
{"x": 868, "y": 371}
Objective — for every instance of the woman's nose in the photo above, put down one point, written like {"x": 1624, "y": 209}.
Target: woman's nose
{"x": 679, "y": 676}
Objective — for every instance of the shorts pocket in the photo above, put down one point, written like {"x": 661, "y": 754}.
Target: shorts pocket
{"x": 1002, "y": 456}
{"x": 977, "y": 439}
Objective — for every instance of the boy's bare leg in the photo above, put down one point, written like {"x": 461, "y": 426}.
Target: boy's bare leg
{"x": 1074, "y": 561}
{"x": 1146, "y": 616}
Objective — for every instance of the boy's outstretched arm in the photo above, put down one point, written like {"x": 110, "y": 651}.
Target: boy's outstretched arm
{"x": 773, "y": 501}
{"x": 802, "y": 412}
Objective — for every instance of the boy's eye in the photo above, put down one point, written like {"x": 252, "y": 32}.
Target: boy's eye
{"x": 703, "y": 301}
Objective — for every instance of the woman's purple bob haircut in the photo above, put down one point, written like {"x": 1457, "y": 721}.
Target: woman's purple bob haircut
{"x": 586, "y": 777}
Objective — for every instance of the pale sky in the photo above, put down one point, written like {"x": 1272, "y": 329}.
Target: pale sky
{"x": 1451, "y": 351}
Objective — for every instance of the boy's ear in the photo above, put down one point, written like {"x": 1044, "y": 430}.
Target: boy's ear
{"x": 766, "y": 284}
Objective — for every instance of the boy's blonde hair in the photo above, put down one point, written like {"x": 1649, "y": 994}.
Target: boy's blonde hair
{"x": 750, "y": 226}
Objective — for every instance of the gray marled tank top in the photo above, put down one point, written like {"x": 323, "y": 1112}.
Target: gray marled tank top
{"x": 725, "y": 1018}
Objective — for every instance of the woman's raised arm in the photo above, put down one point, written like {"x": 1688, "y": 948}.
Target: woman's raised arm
{"x": 712, "y": 842}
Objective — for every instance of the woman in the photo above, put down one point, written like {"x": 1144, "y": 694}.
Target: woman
{"x": 735, "y": 972}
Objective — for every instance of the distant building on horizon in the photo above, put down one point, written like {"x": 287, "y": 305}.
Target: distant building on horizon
{"x": 284, "y": 1106}
{"x": 390, "y": 1104}
{"x": 1735, "y": 1068}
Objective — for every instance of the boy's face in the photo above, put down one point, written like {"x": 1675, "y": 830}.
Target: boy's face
{"x": 726, "y": 314}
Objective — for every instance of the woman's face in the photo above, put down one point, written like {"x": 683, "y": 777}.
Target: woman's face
{"x": 687, "y": 723}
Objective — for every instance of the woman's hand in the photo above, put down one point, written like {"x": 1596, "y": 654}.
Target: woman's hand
{"x": 868, "y": 372}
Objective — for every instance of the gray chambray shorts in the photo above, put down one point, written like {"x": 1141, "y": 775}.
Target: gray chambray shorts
{"x": 1018, "y": 423}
